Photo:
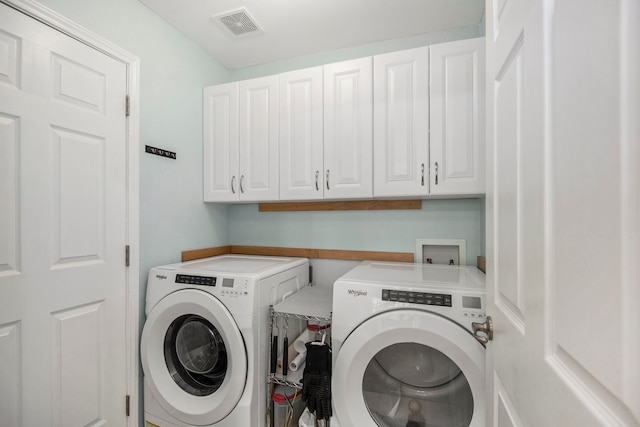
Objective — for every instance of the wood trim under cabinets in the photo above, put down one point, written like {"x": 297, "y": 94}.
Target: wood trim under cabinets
{"x": 298, "y": 252}
{"x": 205, "y": 253}
{"x": 324, "y": 253}
{"x": 482, "y": 264}
{"x": 344, "y": 205}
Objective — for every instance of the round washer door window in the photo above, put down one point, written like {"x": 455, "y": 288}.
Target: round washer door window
{"x": 193, "y": 357}
{"x": 195, "y": 354}
{"x": 409, "y": 368}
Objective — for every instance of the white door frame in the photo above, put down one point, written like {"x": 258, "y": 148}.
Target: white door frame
{"x": 77, "y": 32}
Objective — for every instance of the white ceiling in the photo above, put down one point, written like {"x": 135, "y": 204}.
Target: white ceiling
{"x": 295, "y": 28}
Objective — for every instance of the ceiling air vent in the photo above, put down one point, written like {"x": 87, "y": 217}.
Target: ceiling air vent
{"x": 239, "y": 22}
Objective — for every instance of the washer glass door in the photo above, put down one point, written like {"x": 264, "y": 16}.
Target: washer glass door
{"x": 195, "y": 355}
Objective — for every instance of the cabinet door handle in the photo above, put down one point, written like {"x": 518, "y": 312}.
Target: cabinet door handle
{"x": 317, "y": 175}
{"x": 241, "y": 179}
{"x": 422, "y": 180}
{"x": 436, "y": 173}
{"x": 327, "y": 177}
{"x": 233, "y": 184}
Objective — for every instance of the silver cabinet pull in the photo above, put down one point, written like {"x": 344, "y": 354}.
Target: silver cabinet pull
{"x": 241, "y": 179}
{"x": 317, "y": 175}
{"x": 422, "y": 180}
{"x": 483, "y": 332}
{"x": 327, "y": 177}
{"x": 436, "y": 173}
{"x": 233, "y": 184}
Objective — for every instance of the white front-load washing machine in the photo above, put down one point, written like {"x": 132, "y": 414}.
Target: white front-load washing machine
{"x": 404, "y": 354}
{"x": 204, "y": 343}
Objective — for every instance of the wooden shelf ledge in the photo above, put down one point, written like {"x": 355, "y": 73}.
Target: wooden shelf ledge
{"x": 191, "y": 255}
{"x": 345, "y": 205}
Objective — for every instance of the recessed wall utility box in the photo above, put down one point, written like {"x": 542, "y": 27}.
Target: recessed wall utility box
{"x": 441, "y": 251}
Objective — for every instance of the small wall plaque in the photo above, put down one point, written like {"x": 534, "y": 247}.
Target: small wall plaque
{"x": 159, "y": 152}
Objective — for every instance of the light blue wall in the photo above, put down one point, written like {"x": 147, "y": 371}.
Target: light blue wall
{"x": 173, "y": 71}
{"x": 394, "y": 231}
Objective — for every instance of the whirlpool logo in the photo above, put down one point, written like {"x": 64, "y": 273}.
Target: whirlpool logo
{"x": 357, "y": 292}
{"x": 161, "y": 276}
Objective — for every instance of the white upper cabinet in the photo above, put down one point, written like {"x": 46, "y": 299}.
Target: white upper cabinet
{"x": 348, "y": 133}
{"x": 220, "y": 149}
{"x": 258, "y": 139}
{"x": 401, "y": 127}
{"x": 429, "y": 120}
{"x": 301, "y": 135}
{"x": 241, "y": 141}
{"x": 310, "y": 134}
{"x": 457, "y": 103}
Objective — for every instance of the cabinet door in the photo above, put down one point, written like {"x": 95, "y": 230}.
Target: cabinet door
{"x": 220, "y": 148}
{"x": 348, "y": 133}
{"x": 401, "y": 128}
{"x": 301, "y": 135}
{"x": 457, "y": 117}
{"x": 258, "y": 139}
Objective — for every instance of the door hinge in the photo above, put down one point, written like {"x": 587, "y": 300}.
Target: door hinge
{"x": 126, "y": 256}
{"x": 127, "y": 405}
{"x": 127, "y": 106}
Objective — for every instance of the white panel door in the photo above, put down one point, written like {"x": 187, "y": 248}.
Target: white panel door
{"x": 301, "y": 136}
{"x": 457, "y": 96}
{"x": 63, "y": 225}
{"x": 401, "y": 123}
{"x": 258, "y": 139}
{"x": 563, "y": 212}
{"x": 220, "y": 147}
{"x": 348, "y": 129}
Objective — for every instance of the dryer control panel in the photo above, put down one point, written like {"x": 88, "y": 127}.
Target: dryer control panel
{"x": 424, "y": 298}
{"x": 235, "y": 287}
{"x": 472, "y": 307}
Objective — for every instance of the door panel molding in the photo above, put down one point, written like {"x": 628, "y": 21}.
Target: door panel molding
{"x": 11, "y": 356}
{"x": 577, "y": 166}
{"x": 505, "y": 412}
{"x": 73, "y": 405}
{"x": 509, "y": 284}
{"x": 9, "y": 195}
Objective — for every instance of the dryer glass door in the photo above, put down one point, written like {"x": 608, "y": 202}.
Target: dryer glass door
{"x": 406, "y": 381}
{"x": 409, "y": 368}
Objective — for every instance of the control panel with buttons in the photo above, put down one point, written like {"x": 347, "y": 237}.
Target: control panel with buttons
{"x": 424, "y": 298}
{"x": 472, "y": 307}
{"x": 196, "y": 280}
{"x": 474, "y": 314}
{"x": 235, "y": 287}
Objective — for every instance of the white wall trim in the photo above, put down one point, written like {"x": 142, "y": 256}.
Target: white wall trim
{"x": 72, "y": 29}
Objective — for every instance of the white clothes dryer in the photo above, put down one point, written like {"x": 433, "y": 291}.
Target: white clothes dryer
{"x": 404, "y": 354}
{"x": 204, "y": 343}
